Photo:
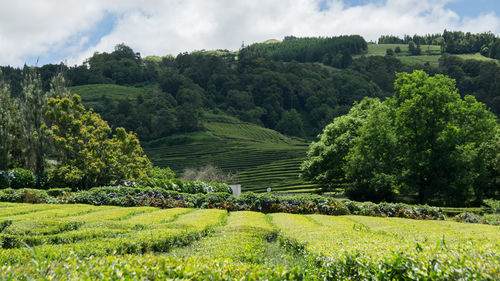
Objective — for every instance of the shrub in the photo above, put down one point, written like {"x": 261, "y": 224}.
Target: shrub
{"x": 160, "y": 177}
{"x": 264, "y": 202}
{"x": 20, "y": 178}
{"x": 56, "y": 192}
{"x": 467, "y": 217}
{"x": 204, "y": 187}
{"x": 493, "y": 204}
{"x": 25, "y": 195}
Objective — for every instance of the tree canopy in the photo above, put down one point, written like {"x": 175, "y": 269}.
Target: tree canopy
{"x": 425, "y": 142}
{"x": 87, "y": 154}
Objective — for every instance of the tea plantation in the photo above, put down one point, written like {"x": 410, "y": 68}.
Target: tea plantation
{"x": 65, "y": 242}
{"x": 262, "y": 157}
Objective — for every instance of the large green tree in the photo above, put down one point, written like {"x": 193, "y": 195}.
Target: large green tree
{"x": 326, "y": 158}
{"x": 425, "y": 141}
{"x": 87, "y": 152}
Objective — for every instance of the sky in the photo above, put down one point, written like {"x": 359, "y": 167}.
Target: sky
{"x": 38, "y": 32}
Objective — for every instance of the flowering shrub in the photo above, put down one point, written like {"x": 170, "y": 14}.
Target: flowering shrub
{"x": 20, "y": 178}
{"x": 264, "y": 202}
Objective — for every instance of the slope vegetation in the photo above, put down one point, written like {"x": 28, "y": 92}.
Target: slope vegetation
{"x": 263, "y": 157}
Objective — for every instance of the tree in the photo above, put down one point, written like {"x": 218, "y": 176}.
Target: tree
{"x": 87, "y": 154}
{"x": 6, "y": 137}
{"x": 425, "y": 141}
{"x": 414, "y": 49}
{"x": 33, "y": 110}
{"x": 370, "y": 162}
{"x": 326, "y": 158}
{"x": 291, "y": 124}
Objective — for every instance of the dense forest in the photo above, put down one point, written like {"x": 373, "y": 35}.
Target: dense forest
{"x": 296, "y": 86}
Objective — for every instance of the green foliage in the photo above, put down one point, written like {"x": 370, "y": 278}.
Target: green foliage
{"x": 425, "y": 140}
{"x": 159, "y": 177}
{"x": 493, "y": 204}
{"x": 291, "y": 124}
{"x": 81, "y": 241}
{"x": 32, "y": 111}
{"x": 327, "y": 157}
{"x": 21, "y": 178}
{"x": 4, "y": 179}
{"x": 56, "y": 192}
{"x": 195, "y": 187}
{"x": 352, "y": 247}
{"x": 335, "y": 51}
{"x": 6, "y": 120}
{"x": 87, "y": 155}
{"x": 25, "y": 195}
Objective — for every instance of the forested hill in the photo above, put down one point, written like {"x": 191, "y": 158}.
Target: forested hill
{"x": 295, "y": 86}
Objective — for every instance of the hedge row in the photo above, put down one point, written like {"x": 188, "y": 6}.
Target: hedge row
{"x": 264, "y": 202}
{"x": 19, "y": 178}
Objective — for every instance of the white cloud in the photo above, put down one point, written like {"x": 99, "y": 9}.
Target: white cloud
{"x": 155, "y": 27}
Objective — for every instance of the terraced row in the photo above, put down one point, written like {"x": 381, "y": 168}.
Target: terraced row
{"x": 233, "y": 156}
{"x": 241, "y": 246}
{"x": 280, "y": 176}
{"x": 370, "y": 248}
{"x": 54, "y": 230}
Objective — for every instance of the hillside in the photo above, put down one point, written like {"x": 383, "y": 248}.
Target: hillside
{"x": 264, "y": 91}
{"x": 262, "y": 157}
{"x": 429, "y": 54}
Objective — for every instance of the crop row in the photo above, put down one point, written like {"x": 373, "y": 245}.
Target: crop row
{"x": 239, "y": 246}
{"x": 235, "y": 250}
{"x": 118, "y": 231}
{"x": 365, "y": 248}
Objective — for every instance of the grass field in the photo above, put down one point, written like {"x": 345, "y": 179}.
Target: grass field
{"x": 53, "y": 242}
{"x": 430, "y": 54}
{"x": 93, "y": 93}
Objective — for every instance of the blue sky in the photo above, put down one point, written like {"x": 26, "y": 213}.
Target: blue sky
{"x": 474, "y": 8}
{"x": 69, "y": 31}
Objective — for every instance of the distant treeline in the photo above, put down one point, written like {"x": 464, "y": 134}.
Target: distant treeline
{"x": 271, "y": 88}
{"x": 453, "y": 42}
{"x": 333, "y": 51}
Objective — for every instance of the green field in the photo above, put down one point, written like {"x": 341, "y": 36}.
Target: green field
{"x": 92, "y": 94}
{"x": 67, "y": 242}
{"x": 430, "y": 54}
{"x": 380, "y": 49}
{"x": 262, "y": 157}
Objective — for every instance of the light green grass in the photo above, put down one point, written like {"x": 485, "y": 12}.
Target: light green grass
{"x": 381, "y": 49}
{"x": 94, "y": 92}
{"x": 477, "y": 56}
{"x": 430, "y": 54}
